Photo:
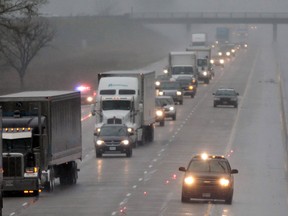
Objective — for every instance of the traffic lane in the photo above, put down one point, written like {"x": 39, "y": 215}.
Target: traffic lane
{"x": 160, "y": 192}
{"x": 259, "y": 152}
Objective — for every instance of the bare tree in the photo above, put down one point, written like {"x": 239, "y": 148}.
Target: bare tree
{"x": 20, "y": 43}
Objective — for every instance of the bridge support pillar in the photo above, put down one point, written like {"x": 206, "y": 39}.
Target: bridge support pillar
{"x": 274, "y": 32}
{"x": 188, "y": 32}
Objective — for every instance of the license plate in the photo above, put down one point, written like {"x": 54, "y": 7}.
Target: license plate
{"x": 9, "y": 183}
{"x": 206, "y": 195}
{"x": 113, "y": 148}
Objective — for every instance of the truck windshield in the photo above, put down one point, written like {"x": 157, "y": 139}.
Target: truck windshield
{"x": 182, "y": 70}
{"x": 202, "y": 62}
{"x": 116, "y": 105}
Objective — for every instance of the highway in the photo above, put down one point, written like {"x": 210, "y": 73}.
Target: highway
{"x": 252, "y": 137}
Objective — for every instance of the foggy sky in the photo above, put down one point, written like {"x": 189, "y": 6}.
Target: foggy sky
{"x": 116, "y": 7}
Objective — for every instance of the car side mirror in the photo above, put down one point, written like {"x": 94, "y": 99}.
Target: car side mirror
{"x": 182, "y": 169}
{"x": 234, "y": 171}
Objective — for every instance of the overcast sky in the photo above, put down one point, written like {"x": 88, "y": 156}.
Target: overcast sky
{"x": 92, "y": 7}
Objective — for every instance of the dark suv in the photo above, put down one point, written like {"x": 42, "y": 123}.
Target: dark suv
{"x": 226, "y": 96}
{"x": 188, "y": 85}
{"x": 173, "y": 89}
{"x": 113, "y": 138}
{"x": 208, "y": 177}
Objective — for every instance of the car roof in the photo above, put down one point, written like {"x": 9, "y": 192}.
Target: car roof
{"x": 164, "y": 97}
{"x": 114, "y": 125}
{"x": 225, "y": 89}
{"x": 209, "y": 156}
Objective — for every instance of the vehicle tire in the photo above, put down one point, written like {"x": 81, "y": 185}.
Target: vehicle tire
{"x": 236, "y": 105}
{"x": 206, "y": 81}
{"x": 98, "y": 154}
{"x": 162, "y": 123}
{"x": 229, "y": 200}
{"x": 181, "y": 102}
{"x": 192, "y": 96}
{"x": 129, "y": 153}
{"x": 215, "y": 105}
{"x": 36, "y": 192}
{"x": 174, "y": 117}
{"x": 184, "y": 199}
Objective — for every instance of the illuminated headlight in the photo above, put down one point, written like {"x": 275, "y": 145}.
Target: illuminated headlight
{"x": 233, "y": 50}
{"x": 100, "y": 142}
{"x": 245, "y": 45}
{"x": 159, "y": 113}
{"x": 179, "y": 93}
{"x": 171, "y": 108}
{"x": 190, "y": 87}
{"x": 228, "y": 53}
{"x": 189, "y": 180}
{"x": 161, "y": 93}
{"x": 157, "y": 83}
{"x": 130, "y": 130}
{"x": 165, "y": 71}
{"x": 194, "y": 81}
{"x": 125, "y": 142}
{"x": 220, "y": 53}
{"x": 89, "y": 99}
{"x": 221, "y": 61}
{"x": 204, "y": 156}
{"x": 224, "y": 182}
{"x": 212, "y": 61}
{"x": 204, "y": 73}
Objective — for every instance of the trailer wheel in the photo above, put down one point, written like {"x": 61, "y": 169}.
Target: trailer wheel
{"x": 69, "y": 173}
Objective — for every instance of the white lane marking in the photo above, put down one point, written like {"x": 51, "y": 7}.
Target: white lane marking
{"x": 140, "y": 179}
{"x": 114, "y": 213}
{"x": 134, "y": 186}
{"x": 25, "y": 204}
{"x": 13, "y": 213}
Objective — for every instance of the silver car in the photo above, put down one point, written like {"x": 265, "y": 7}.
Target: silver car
{"x": 168, "y": 104}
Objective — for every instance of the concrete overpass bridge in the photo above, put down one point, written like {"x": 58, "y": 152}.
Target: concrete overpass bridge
{"x": 189, "y": 18}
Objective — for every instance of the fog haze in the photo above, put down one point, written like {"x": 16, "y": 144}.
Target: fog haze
{"x": 118, "y": 7}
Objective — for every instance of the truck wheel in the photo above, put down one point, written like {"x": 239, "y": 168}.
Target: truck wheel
{"x": 162, "y": 123}
{"x": 151, "y": 133}
{"x": 207, "y": 81}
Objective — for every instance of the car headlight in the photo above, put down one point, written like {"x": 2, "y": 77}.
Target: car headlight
{"x": 224, "y": 182}
{"x": 161, "y": 93}
{"x": 212, "y": 61}
{"x": 221, "y": 61}
{"x": 100, "y": 142}
{"x": 190, "y": 87}
{"x": 189, "y": 180}
{"x": 220, "y": 53}
{"x": 130, "y": 130}
{"x": 159, "y": 113}
{"x": 179, "y": 93}
{"x": 204, "y": 73}
{"x": 89, "y": 99}
{"x": 165, "y": 71}
{"x": 125, "y": 142}
{"x": 157, "y": 83}
{"x": 171, "y": 108}
{"x": 227, "y": 53}
{"x": 233, "y": 50}
{"x": 194, "y": 81}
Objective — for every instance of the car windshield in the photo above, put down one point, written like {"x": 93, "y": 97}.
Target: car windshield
{"x": 113, "y": 131}
{"x": 182, "y": 70}
{"x": 164, "y": 101}
{"x": 170, "y": 85}
{"x": 226, "y": 92}
{"x": 202, "y": 62}
{"x": 215, "y": 166}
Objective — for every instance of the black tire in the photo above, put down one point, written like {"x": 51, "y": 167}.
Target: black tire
{"x": 184, "y": 199}
{"x": 162, "y": 123}
{"x": 236, "y": 105}
{"x": 98, "y": 154}
{"x": 215, "y": 105}
{"x": 229, "y": 200}
{"x": 174, "y": 117}
{"x": 192, "y": 96}
{"x": 181, "y": 102}
{"x": 129, "y": 153}
{"x": 206, "y": 81}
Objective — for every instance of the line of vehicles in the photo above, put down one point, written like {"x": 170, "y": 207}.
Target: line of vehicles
{"x": 37, "y": 126}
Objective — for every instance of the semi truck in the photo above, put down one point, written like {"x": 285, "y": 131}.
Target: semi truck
{"x": 41, "y": 140}
{"x": 127, "y": 97}
{"x": 199, "y": 39}
{"x": 1, "y": 164}
{"x": 182, "y": 64}
{"x": 223, "y": 34}
{"x": 203, "y": 53}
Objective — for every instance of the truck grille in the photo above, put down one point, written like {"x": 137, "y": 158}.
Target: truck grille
{"x": 114, "y": 121}
{"x": 12, "y": 166}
